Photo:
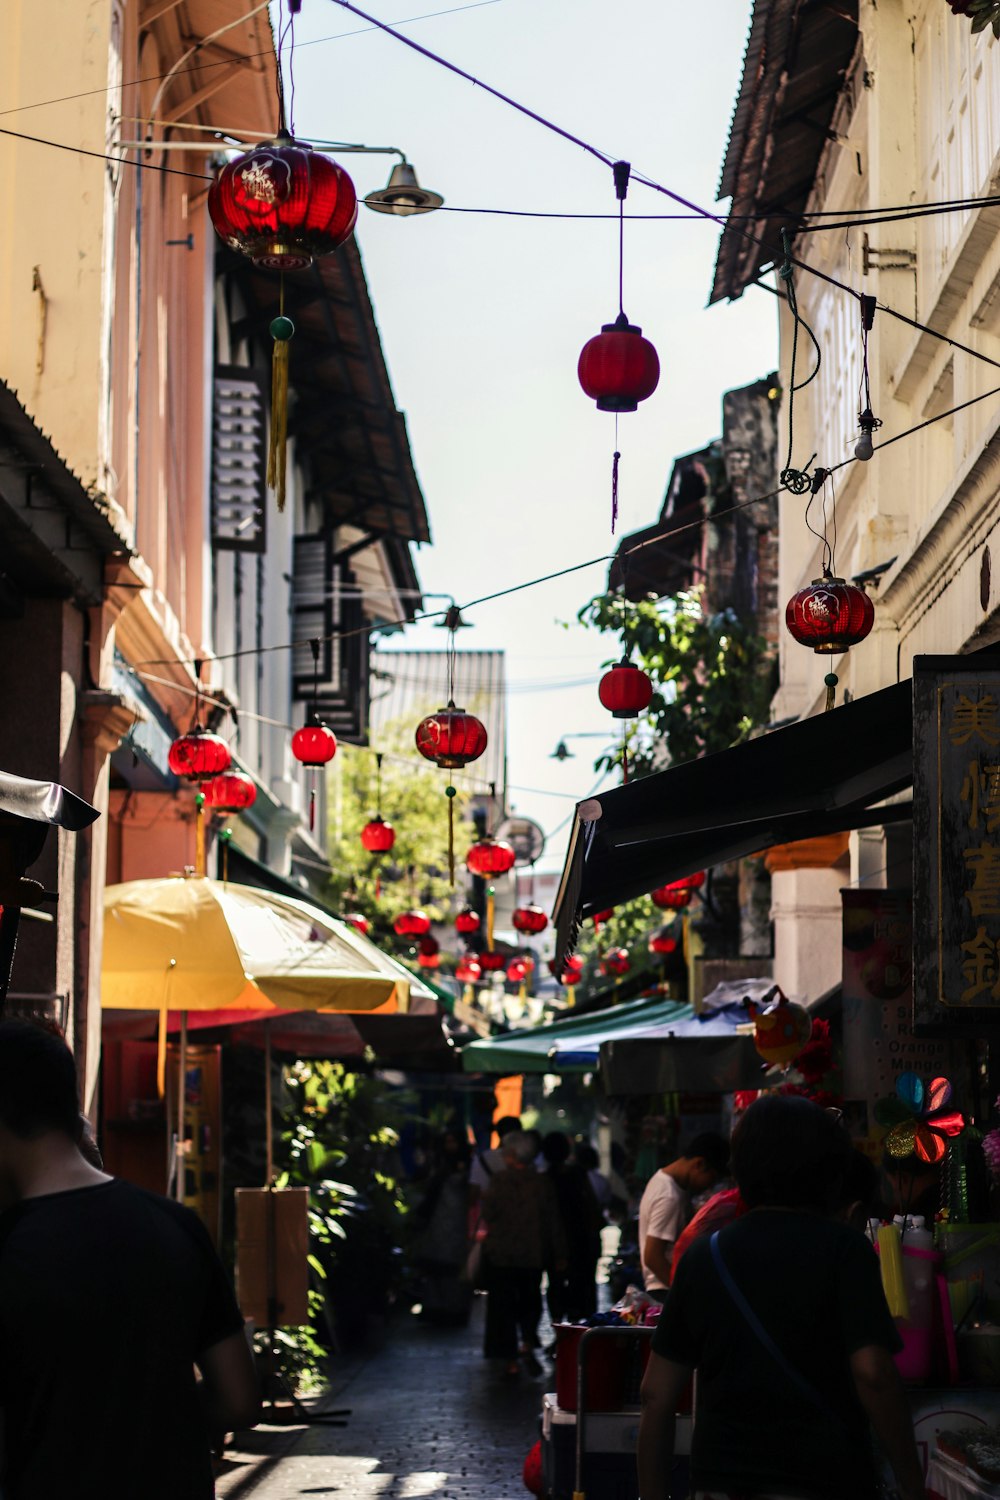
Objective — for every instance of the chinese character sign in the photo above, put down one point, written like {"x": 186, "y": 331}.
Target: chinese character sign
{"x": 956, "y": 847}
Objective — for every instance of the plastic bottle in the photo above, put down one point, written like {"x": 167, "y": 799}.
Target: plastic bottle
{"x": 919, "y": 1264}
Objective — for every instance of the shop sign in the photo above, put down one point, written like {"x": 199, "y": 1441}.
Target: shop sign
{"x": 956, "y": 841}
{"x": 879, "y": 1041}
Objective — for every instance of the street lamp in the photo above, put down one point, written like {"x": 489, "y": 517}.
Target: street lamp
{"x": 562, "y": 750}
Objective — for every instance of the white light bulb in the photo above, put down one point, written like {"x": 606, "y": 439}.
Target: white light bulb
{"x": 863, "y": 448}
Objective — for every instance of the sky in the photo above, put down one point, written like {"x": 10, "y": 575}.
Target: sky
{"x": 482, "y": 317}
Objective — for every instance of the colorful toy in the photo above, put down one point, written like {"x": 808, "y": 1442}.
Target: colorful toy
{"x": 918, "y": 1118}
{"x": 782, "y": 1029}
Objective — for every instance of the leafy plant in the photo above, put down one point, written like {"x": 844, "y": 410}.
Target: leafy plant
{"x": 982, "y": 13}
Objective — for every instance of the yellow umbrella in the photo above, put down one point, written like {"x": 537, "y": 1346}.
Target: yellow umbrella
{"x": 191, "y": 943}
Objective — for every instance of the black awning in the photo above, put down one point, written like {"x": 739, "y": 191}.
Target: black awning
{"x": 821, "y": 775}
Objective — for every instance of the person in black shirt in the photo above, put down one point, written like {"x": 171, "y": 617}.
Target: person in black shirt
{"x": 109, "y": 1298}
{"x": 786, "y": 1414}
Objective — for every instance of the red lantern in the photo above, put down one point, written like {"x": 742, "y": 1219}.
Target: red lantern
{"x": 530, "y": 919}
{"x": 412, "y": 924}
{"x": 625, "y": 690}
{"x": 673, "y": 897}
{"x": 830, "y": 615}
{"x": 468, "y": 971}
{"x": 517, "y": 972}
{"x": 491, "y": 962}
{"x": 358, "y": 921}
{"x": 429, "y": 953}
{"x": 378, "y": 836}
{"x": 467, "y": 922}
{"x": 569, "y": 971}
{"x": 600, "y": 917}
{"x": 199, "y": 755}
{"x": 663, "y": 941}
{"x": 282, "y": 204}
{"x": 314, "y": 744}
{"x": 231, "y": 792}
{"x": 451, "y": 738}
{"x": 617, "y": 961}
{"x": 490, "y": 857}
{"x": 618, "y": 368}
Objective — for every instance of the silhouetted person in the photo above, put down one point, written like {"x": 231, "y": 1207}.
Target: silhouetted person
{"x": 573, "y": 1291}
{"x": 523, "y": 1236}
{"x": 109, "y": 1297}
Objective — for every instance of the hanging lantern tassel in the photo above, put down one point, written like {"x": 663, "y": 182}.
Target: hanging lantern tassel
{"x": 451, "y": 793}
{"x": 199, "y": 834}
{"x": 282, "y": 331}
{"x": 831, "y": 690}
{"x": 491, "y": 911}
{"x": 614, "y": 490}
{"x": 570, "y": 996}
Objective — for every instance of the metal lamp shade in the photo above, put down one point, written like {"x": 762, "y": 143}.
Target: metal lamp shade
{"x": 403, "y": 194}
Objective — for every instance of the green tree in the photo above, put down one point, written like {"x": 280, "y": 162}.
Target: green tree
{"x": 712, "y": 675}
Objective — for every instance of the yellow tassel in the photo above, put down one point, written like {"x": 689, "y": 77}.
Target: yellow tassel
{"x": 570, "y": 996}
{"x": 831, "y": 690}
{"x": 891, "y": 1261}
{"x": 161, "y": 1051}
{"x": 199, "y": 834}
{"x": 491, "y": 907}
{"x": 282, "y": 329}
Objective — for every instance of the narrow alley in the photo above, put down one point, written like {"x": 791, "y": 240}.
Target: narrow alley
{"x": 428, "y": 1416}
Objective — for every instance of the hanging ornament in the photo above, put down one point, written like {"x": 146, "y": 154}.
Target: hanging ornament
{"x": 198, "y": 755}
{"x": 618, "y": 368}
{"x": 358, "y": 921}
{"x": 429, "y": 953}
{"x": 412, "y": 924}
{"x": 378, "y": 836}
{"x": 625, "y": 690}
{"x": 282, "y": 205}
{"x": 490, "y": 961}
{"x": 678, "y": 893}
{"x": 616, "y": 961}
{"x": 867, "y": 421}
{"x": 831, "y": 616}
{"x": 781, "y": 1031}
{"x": 529, "y": 919}
{"x": 600, "y": 917}
{"x": 919, "y": 1118}
{"x": 467, "y": 922}
{"x": 314, "y": 745}
{"x": 232, "y": 792}
{"x": 517, "y": 971}
{"x": 663, "y": 941}
{"x": 489, "y": 857}
{"x": 468, "y": 970}
{"x": 451, "y": 738}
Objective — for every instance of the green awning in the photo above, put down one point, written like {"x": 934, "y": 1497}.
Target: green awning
{"x": 569, "y": 1045}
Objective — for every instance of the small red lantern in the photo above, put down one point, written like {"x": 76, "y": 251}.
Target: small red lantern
{"x": 517, "y": 971}
{"x": 468, "y": 971}
{"x": 569, "y": 971}
{"x": 625, "y": 690}
{"x": 617, "y": 961}
{"x": 663, "y": 941}
{"x": 618, "y": 368}
{"x": 673, "y": 897}
{"x": 232, "y": 792}
{"x": 358, "y": 921}
{"x": 314, "y": 745}
{"x": 529, "y": 919}
{"x": 198, "y": 756}
{"x": 491, "y": 962}
{"x": 378, "y": 836}
{"x": 282, "y": 204}
{"x": 830, "y": 615}
{"x": 601, "y": 917}
{"x": 490, "y": 857}
{"x": 467, "y": 922}
{"x": 451, "y": 738}
{"x": 412, "y": 924}
{"x": 429, "y": 953}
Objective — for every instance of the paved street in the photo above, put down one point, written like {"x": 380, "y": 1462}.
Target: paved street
{"x": 429, "y": 1416}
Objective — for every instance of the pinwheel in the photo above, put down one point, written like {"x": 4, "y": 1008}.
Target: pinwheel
{"x": 919, "y": 1118}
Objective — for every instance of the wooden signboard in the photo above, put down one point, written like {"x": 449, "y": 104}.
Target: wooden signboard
{"x": 956, "y": 843}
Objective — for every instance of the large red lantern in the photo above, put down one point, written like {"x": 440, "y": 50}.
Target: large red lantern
{"x": 617, "y": 961}
{"x": 468, "y": 971}
{"x": 282, "y": 204}
{"x": 232, "y": 792}
{"x": 663, "y": 941}
{"x": 618, "y": 368}
{"x": 451, "y": 738}
{"x": 625, "y": 690}
{"x": 491, "y": 962}
{"x": 412, "y": 924}
{"x": 378, "y": 836}
{"x": 830, "y": 615}
{"x": 199, "y": 755}
{"x": 314, "y": 745}
{"x": 467, "y": 922}
{"x": 529, "y": 919}
{"x": 490, "y": 857}
{"x": 673, "y": 897}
